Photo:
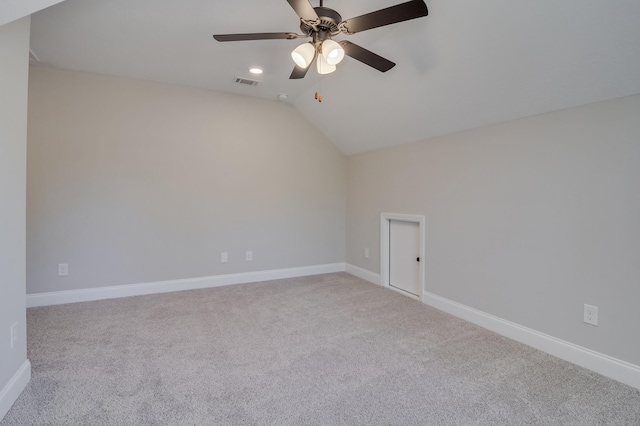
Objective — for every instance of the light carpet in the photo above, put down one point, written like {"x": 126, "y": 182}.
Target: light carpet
{"x": 323, "y": 350}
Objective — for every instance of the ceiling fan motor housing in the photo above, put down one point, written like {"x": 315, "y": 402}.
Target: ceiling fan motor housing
{"x": 327, "y": 23}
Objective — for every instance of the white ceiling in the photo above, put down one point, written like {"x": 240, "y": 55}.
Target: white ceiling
{"x": 10, "y": 10}
{"x": 468, "y": 64}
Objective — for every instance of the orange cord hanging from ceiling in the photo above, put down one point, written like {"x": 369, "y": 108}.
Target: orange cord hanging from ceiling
{"x": 318, "y": 96}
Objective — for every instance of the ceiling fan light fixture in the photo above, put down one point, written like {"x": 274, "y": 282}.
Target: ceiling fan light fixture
{"x": 332, "y": 52}
{"x": 303, "y": 55}
{"x": 323, "y": 66}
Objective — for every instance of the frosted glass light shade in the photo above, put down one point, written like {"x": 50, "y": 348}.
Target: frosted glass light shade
{"x": 332, "y": 52}
{"x": 303, "y": 55}
{"x": 323, "y": 66}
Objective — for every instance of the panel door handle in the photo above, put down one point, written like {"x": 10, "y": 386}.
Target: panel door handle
{"x": 417, "y": 259}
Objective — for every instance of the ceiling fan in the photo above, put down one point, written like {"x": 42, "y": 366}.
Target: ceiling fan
{"x": 322, "y": 23}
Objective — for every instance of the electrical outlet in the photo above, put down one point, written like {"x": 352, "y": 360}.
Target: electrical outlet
{"x": 63, "y": 269}
{"x": 224, "y": 257}
{"x": 14, "y": 334}
{"x": 248, "y": 256}
{"x": 590, "y": 315}
{"x": 366, "y": 253}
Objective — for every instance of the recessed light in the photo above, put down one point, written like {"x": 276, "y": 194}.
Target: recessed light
{"x": 255, "y": 70}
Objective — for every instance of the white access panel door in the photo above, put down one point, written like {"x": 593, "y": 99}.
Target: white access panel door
{"x": 404, "y": 256}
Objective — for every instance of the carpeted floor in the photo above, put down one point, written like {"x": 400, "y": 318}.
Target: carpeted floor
{"x": 322, "y": 350}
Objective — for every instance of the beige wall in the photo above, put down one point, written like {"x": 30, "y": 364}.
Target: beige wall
{"x": 526, "y": 220}
{"x": 132, "y": 181}
{"x": 14, "y": 51}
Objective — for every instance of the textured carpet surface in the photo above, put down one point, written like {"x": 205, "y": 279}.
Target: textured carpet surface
{"x": 322, "y": 350}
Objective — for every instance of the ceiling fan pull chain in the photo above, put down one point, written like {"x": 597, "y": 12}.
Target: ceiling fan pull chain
{"x": 318, "y": 96}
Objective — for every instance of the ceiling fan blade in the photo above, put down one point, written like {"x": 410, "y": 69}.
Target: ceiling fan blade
{"x": 304, "y": 9}
{"x": 366, "y": 56}
{"x": 255, "y": 36}
{"x": 298, "y": 72}
{"x": 390, "y": 15}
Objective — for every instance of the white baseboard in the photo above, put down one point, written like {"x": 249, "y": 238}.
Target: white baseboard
{"x": 14, "y": 388}
{"x": 112, "y": 292}
{"x": 613, "y": 368}
{"x": 362, "y": 273}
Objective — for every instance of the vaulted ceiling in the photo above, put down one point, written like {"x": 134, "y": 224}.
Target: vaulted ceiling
{"x": 468, "y": 64}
